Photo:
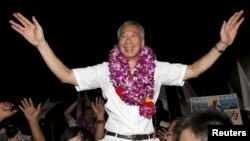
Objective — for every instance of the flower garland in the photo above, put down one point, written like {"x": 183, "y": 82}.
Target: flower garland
{"x": 87, "y": 125}
{"x": 137, "y": 88}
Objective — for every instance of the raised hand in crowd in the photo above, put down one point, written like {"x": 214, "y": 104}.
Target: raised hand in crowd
{"x": 31, "y": 113}
{"x": 6, "y": 110}
{"x": 162, "y": 134}
{"x": 98, "y": 108}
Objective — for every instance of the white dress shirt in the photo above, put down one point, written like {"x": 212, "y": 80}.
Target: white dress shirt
{"x": 123, "y": 118}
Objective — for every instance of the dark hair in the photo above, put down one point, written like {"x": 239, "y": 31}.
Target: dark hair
{"x": 11, "y": 130}
{"x": 198, "y": 122}
{"x": 71, "y": 132}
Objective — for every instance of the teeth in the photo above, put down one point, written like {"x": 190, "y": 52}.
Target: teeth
{"x": 129, "y": 49}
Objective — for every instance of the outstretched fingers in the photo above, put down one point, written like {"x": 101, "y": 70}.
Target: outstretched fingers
{"x": 240, "y": 22}
{"x": 30, "y": 102}
{"x": 99, "y": 100}
{"x": 25, "y": 104}
{"x": 229, "y": 29}
{"x": 39, "y": 107}
{"x": 237, "y": 16}
{"x": 236, "y": 20}
{"x": 17, "y": 27}
{"x": 37, "y": 25}
{"x": 24, "y": 21}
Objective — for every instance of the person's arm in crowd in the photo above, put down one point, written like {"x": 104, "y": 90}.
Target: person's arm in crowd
{"x": 6, "y": 110}
{"x": 162, "y": 134}
{"x": 31, "y": 114}
{"x": 68, "y": 111}
{"x": 228, "y": 33}
{"x": 33, "y": 33}
{"x": 98, "y": 108}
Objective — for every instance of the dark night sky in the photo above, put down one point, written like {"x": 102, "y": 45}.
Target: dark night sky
{"x": 82, "y": 33}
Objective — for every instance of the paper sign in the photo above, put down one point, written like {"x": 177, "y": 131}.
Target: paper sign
{"x": 224, "y": 103}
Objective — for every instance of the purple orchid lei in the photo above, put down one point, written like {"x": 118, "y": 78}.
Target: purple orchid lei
{"x": 137, "y": 88}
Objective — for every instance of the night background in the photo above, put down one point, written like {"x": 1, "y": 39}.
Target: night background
{"x": 81, "y": 33}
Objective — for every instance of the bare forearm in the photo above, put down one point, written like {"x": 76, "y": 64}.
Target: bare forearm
{"x": 36, "y": 131}
{"x": 62, "y": 72}
{"x": 100, "y": 122}
{"x": 70, "y": 109}
{"x": 204, "y": 63}
{"x": 99, "y": 131}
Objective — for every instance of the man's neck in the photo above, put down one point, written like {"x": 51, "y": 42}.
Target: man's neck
{"x": 132, "y": 63}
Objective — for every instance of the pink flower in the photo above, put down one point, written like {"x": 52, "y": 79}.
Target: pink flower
{"x": 147, "y": 109}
